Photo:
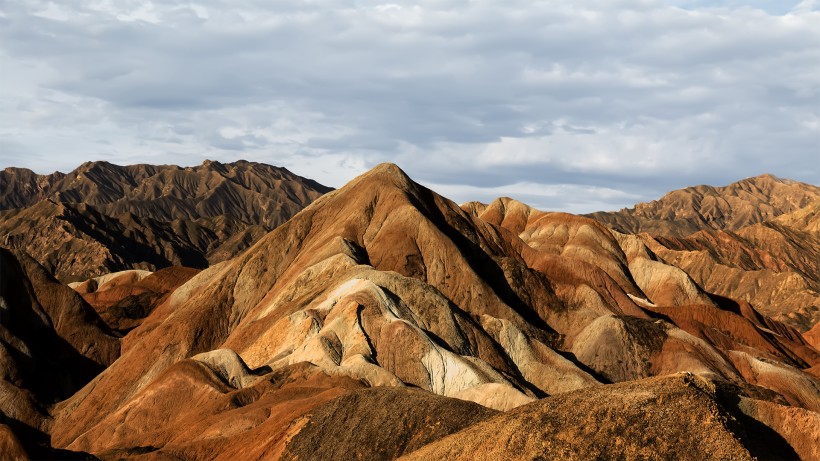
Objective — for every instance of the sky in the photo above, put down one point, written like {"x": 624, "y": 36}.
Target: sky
{"x": 566, "y": 105}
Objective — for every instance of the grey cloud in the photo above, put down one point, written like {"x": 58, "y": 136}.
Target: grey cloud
{"x": 641, "y": 96}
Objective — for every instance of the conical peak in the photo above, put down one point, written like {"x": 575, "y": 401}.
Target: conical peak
{"x": 386, "y": 172}
{"x": 390, "y": 169}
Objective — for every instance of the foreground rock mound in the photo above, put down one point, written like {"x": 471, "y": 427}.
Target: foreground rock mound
{"x": 678, "y": 417}
{"x": 381, "y": 423}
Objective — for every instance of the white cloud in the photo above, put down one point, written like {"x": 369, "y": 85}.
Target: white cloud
{"x": 635, "y": 95}
{"x": 551, "y": 197}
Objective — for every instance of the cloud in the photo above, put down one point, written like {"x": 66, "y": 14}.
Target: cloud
{"x": 638, "y": 96}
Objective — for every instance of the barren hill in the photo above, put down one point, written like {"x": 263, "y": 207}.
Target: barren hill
{"x": 103, "y": 218}
{"x": 757, "y": 240}
{"x": 685, "y": 211}
{"x": 676, "y": 417}
{"x": 51, "y": 345}
{"x": 384, "y": 283}
{"x": 385, "y": 321}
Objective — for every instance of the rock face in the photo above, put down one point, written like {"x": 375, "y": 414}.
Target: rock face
{"x": 381, "y": 423}
{"x": 51, "y": 344}
{"x": 102, "y": 218}
{"x": 733, "y": 207}
{"x": 678, "y": 417}
{"x": 384, "y": 320}
{"x": 757, "y": 240}
{"x": 123, "y": 299}
{"x": 770, "y": 265}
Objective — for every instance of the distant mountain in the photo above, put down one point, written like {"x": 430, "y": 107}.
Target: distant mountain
{"x": 103, "y": 218}
{"x": 685, "y": 211}
{"x": 757, "y": 240}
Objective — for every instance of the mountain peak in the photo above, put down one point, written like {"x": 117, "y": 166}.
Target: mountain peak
{"x": 388, "y": 169}
{"x": 207, "y": 163}
{"x": 188, "y": 216}
{"x": 767, "y": 178}
{"x": 385, "y": 173}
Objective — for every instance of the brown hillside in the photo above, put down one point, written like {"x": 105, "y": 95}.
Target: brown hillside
{"x": 51, "y": 344}
{"x": 682, "y": 212}
{"x": 110, "y": 218}
{"x": 678, "y": 417}
{"x": 385, "y": 283}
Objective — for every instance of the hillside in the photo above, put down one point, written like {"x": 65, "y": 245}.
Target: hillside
{"x": 385, "y": 321}
{"x": 733, "y": 207}
{"x": 103, "y": 218}
{"x": 757, "y": 240}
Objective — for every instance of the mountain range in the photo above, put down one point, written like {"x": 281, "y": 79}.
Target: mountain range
{"x": 755, "y": 240}
{"x": 384, "y": 321}
{"x": 102, "y": 218}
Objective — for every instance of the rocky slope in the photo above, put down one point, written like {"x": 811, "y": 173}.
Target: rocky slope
{"x": 124, "y": 299}
{"x": 678, "y": 417}
{"x": 733, "y": 207}
{"x": 757, "y": 240}
{"x": 51, "y": 344}
{"x": 102, "y": 218}
{"x": 383, "y": 283}
{"x": 773, "y": 266}
{"x": 385, "y": 321}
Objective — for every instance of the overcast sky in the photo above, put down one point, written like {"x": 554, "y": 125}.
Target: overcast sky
{"x": 566, "y": 105}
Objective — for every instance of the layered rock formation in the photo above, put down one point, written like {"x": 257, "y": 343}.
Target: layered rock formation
{"x": 102, "y": 218}
{"x": 482, "y": 331}
{"x": 733, "y": 207}
{"x": 678, "y": 417}
{"x": 757, "y": 240}
{"x": 123, "y": 299}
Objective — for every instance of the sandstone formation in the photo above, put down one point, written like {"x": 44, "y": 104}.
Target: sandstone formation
{"x": 123, "y": 299}
{"x": 103, "y": 218}
{"x": 385, "y": 321}
{"x": 678, "y": 417}
{"x": 757, "y": 240}
{"x": 381, "y": 423}
{"x": 773, "y": 266}
{"x": 733, "y": 207}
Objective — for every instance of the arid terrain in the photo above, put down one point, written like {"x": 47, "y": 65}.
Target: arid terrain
{"x": 102, "y": 218}
{"x": 239, "y": 311}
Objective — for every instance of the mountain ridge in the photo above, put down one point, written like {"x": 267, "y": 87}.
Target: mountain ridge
{"x": 471, "y": 323}
{"x": 145, "y": 216}
{"x": 684, "y": 211}
{"x": 389, "y": 284}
